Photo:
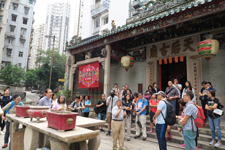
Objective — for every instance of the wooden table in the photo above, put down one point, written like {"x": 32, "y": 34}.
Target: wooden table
{"x": 39, "y": 135}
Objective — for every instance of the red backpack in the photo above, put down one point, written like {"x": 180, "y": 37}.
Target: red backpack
{"x": 200, "y": 120}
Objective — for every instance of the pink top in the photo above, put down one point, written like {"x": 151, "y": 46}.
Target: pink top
{"x": 182, "y": 114}
{"x": 58, "y": 106}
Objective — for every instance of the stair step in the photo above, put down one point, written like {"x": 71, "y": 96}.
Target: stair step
{"x": 222, "y": 123}
{"x": 177, "y": 140}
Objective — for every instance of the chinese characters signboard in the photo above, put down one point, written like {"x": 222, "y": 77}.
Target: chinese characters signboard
{"x": 89, "y": 75}
{"x": 185, "y": 46}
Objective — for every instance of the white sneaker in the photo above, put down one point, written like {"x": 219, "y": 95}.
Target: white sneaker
{"x": 212, "y": 142}
{"x": 2, "y": 133}
{"x": 218, "y": 144}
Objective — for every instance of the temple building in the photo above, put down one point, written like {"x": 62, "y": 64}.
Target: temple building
{"x": 164, "y": 40}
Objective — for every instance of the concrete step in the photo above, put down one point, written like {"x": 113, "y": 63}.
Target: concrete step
{"x": 222, "y": 123}
{"x": 177, "y": 140}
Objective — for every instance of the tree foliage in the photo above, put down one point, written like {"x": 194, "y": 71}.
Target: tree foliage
{"x": 44, "y": 64}
{"x": 13, "y": 75}
{"x": 32, "y": 77}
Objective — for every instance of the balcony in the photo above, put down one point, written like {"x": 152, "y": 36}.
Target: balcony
{"x": 136, "y": 4}
{"x": 10, "y": 35}
{"x": 22, "y": 38}
{"x": 96, "y": 31}
{"x": 100, "y": 8}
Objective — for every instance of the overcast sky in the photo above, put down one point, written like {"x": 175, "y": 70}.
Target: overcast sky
{"x": 40, "y": 9}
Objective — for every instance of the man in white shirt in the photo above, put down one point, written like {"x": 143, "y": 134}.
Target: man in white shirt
{"x": 110, "y": 103}
{"x": 117, "y": 125}
{"x": 178, "y": 87}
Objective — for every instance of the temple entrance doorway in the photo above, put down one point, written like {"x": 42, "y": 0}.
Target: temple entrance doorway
{"x": 172, "y": 70}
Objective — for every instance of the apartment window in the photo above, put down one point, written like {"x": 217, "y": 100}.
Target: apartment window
{"x": 97, "y": 22}
{"x": 15, "y": 6}
{"x": 8, "y": 51}
{"x": 10, "y": 40}
{"x": 19, "y": 64}
{"x": 23, "y": 31}
{"x": 12, "y": 28}
{"x": 25, "y": 20}
{"x": 20, "y": 54}
{"x": 2, "y": 4}
{"x": 31, "y": 1}
{"x": 26, "y": 10}
{"x": 1, "y": 18}
{"x": 105, "y": 20}
{"x": 14, "y": 17}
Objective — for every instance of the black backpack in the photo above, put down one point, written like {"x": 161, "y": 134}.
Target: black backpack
{"x": 170, "y": 115}
{"x": 96, "y": 109}
{"x": 147, "y": 108}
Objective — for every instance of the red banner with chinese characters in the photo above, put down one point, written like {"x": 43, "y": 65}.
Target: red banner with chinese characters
{"x": 89, "y": 75}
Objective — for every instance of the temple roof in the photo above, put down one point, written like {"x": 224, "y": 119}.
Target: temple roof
{"x": 147, "y": 17}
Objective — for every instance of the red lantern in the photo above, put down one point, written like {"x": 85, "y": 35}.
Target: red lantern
{"x": 170, "y": 60}
{"x": 176, "y": 59}
{"x": 182, "y": 58}
{"x": 165, "y": 60}
{"x": 160, "y": 61}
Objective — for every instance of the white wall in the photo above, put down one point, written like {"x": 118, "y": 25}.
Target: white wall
{"x": 118, "y": 11}
{"x": 3, "y": 26}
{"x": 17, "y": 45}
{"x": 134, "y": 76}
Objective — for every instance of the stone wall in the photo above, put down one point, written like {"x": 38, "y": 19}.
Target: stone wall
{"x": 214, "y": 71}
{"x": 134, "y": 76}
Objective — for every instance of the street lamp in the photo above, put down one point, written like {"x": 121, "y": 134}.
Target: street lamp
{"x": 49, "y": 36}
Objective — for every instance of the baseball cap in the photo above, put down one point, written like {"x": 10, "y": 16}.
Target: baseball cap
{"x": 161, "y": 93}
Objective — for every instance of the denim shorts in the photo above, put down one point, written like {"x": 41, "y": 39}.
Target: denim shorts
{"x": 101, "y": 116}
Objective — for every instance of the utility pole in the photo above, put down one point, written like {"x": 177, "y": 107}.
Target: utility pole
{"x": 47, "y": 36}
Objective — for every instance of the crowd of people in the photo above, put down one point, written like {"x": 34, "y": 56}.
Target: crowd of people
{"x": 121, "y": 105}
{"x": 118, "y": 109}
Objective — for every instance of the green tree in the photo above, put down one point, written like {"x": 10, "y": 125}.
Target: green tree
{"x": 13, "y": 75}
{"x": 58, "y": 67}
{"x": 31, "y": 77}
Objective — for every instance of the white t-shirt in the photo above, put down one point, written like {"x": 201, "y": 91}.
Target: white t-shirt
{"x": 54, "y": 101}
{"x": 177, "y": 88}
{"x": 1, "y": 110}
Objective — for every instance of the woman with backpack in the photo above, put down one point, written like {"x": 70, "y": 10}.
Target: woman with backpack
{"x": 77, "y": 106}
{"x": 153, "y": 103}
{"x": 214, "y": 119}
{"x": 127, "y": 106}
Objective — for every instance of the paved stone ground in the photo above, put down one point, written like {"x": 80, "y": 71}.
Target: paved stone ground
{"x": 133, "y": 144}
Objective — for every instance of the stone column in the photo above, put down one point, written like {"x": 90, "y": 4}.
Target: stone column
{"x": 71, "y": 72}
{"x": 107, "y": 70}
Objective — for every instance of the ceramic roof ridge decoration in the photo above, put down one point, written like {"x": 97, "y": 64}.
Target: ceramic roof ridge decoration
{"x": 146, "y": 20}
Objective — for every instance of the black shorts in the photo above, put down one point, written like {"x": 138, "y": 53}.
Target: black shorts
{"x": 151, "y": 116}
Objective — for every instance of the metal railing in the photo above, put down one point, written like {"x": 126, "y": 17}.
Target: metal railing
{"x": 100, "y": 8}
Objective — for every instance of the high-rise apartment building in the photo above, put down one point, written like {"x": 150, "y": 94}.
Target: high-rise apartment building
{"x": 57, "y": 24}
{"x": 96, "y": 16}
{"x": 17, "y": 36}
{"x": 37, "y": 43}
{"x": 4, "y": 12}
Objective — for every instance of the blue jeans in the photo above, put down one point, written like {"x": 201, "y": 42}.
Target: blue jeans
{"x": 173, "y": 103}
{"x": 160, "y": 132}
{"x": 101, "y": 116}
{"x": 6, "y": 138}
{"x": 189, "y": 139}
{"x": 215, "y": 125}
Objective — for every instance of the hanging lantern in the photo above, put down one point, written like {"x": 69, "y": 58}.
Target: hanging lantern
{"x": 165, "y": 60}
{"x": 170, "y": 60}
{"x": 127, "y": 62}
{"x": 182, "y": 58}
{"x": 176, "y": 59}
{"x": 208, "y": 48}
{"x": 160, "y": 61}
